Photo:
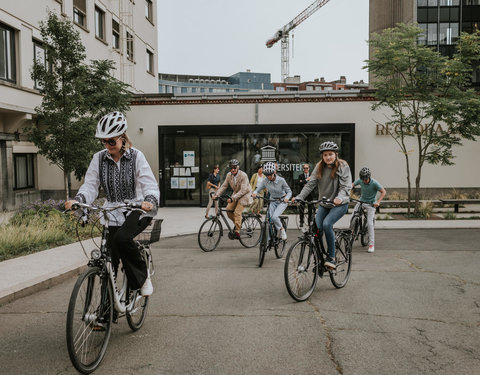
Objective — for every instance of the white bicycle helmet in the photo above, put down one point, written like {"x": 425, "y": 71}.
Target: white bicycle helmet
{"x": 111, "y": 125}
{"x": 328, "y": 146}
{"x": 269, "y": 168}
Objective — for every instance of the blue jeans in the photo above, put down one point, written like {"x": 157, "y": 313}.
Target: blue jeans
{"x": 274, "y": 211}
{"x": 325, "y": 219}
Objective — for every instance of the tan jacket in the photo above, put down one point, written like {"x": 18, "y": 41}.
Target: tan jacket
{"x": 242, "y": 192}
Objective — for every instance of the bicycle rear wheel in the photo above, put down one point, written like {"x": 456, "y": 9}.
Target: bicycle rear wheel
{"x": 343, "y": 257}
{"x": 89, "y": 320}
{"x": 300, "y": 271}
{"x": 262, "y": 249}
{"x": 138, "y": 311}
{"x": 251, "y": 231}
{"x": 209, "y": 234}
{"x": 364, "y": 236}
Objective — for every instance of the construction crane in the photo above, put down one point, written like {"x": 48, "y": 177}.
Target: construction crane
{"x": 282, "y": 34}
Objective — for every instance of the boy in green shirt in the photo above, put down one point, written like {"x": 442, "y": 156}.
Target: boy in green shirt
{"x": 369, "y": 188}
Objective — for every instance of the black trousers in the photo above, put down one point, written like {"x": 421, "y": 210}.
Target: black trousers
{"x": 122, "y": 246}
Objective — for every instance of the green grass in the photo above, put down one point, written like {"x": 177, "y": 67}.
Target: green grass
{"x": 39, "y": 228}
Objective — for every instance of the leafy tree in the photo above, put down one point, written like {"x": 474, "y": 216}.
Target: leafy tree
{"x": 429, "y": 96}
{"x": 75, "y": 95}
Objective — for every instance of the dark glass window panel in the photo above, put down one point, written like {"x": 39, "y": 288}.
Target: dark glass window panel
{"x": 422, "y": 15}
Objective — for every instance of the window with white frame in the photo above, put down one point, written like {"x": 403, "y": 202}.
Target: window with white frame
{"x": 40, "y": 57}
{"x": 99, "y": 23}
{"x": 8, "y": 70}
{"x": 80, "y": 12}
{"x": 115, "y": 34}
{"x": 149, "y": 10}
{"x": 23, "y": 170}
{"x": 150, "y": 62}
{"x": 130, "y": 51}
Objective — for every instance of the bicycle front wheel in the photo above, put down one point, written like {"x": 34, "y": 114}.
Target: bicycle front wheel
{"x": 262, "y": 249}
{"x": 251, "y": 231}
{"x": 300, "y": 271}
{"x": 280, "y": 248}
{"x": 89, "y": 320}
{"x": 343, "y": 257}
{"x": 209, "y": 234}
{"x": 364, "y": 236}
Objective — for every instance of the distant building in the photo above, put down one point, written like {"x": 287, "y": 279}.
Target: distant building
{"x": 295, "y": 84}
{"x": 192, "y": 84}
{"x": 441, "y": 20}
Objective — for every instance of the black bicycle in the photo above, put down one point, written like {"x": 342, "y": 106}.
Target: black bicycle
{"x": 269, "y": 237}
{"x": 101, "y": 295}
{"x": 359, "y": 223}
{"x": 211, "y": 230}
{"x": 305, "y": 260}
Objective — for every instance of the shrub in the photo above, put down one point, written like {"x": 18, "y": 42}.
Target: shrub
{"x": 39, "y": 226}
{"x": 449, "y": 216}
{"x": 425, "y": 210}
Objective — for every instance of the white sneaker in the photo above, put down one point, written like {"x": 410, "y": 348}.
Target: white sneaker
{"x": 283, "y": 234}
{"x": 371, "y": 249}
{"x": 147, "y": 287}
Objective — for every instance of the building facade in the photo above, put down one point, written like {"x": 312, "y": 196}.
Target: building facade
{"x": 183, "y": 137}
{"x": 124, "y": 31}
{"x": 190, "y": 84}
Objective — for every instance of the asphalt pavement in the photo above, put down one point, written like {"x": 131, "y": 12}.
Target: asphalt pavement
{"x": 412, "y": 307}
{"x": 28, "y": 274}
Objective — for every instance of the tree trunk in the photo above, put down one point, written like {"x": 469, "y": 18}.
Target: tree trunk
{"x": 409, "y": 185}
{"x": 67, "y": 190}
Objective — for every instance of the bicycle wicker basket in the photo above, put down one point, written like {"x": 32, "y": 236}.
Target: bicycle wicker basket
{"x": 151, "y": 233}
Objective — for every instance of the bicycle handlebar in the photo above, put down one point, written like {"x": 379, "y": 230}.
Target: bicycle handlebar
{"x": 129, "y": 205}
{"x": 270, "y": 199}
{"x": 362, "y": 202}
{"x": 323, "y": 202}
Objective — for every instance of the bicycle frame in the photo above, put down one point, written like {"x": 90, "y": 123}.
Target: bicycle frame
{"x": 104, "y": 262}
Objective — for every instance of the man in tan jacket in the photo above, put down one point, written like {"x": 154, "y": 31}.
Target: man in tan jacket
{"x": 241, "y": 196}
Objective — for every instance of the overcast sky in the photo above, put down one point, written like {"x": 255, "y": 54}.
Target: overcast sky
{"x": 223, "y": 37}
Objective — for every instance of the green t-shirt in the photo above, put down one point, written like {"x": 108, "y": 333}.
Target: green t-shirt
{"x": 369, "y": 191}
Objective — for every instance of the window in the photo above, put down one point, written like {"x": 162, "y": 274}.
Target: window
{"x": 150, "y": 62}
{"x": 115, "y": 34}
{"x": 39, "y": 57}
{"x": 7, "y": 54}
{"x": 80, "y": 12}
{"x": 23, "y": 171}
{"x": 99, "y": 23}
{"x": 129, "y": 46}
{"x": 149, "y": 10}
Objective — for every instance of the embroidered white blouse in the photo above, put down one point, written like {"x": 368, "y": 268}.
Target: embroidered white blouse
{"x": 130, "y": 178}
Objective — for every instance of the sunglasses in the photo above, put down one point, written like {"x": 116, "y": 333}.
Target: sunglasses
{"x": 110, "y": 142}
{"x": 233, "y": 167}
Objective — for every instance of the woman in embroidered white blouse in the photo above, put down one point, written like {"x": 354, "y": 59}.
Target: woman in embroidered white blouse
{"x": 123, "y": 173}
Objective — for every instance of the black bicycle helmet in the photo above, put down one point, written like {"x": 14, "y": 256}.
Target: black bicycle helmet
{"x": 365, "y": 173}
{"x": 233, "y": 163}
{"x": 328, "y": 146}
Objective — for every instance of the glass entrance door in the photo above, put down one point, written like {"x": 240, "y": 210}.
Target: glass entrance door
{"x": 181, "y": 170}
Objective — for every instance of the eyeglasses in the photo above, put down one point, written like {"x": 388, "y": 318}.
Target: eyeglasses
{"x": 306, "y": 167}
{"x": 110, "y": 142}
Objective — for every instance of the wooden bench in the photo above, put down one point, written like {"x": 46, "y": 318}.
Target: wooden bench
{"x": 404, "y": 203}
{"x": 457, "y": 202}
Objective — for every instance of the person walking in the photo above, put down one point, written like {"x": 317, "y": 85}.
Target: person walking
{"x": 124, "y": 174}
{"x": 256, "y": 179}
{"x": 303, "y": 178}
{"x": 333, "y": 178}
{"x": 278, "y": 189}
{"x": 213, "y": 183}
{"x": 369, "y": 190}
{"x": 241, "y": 195}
